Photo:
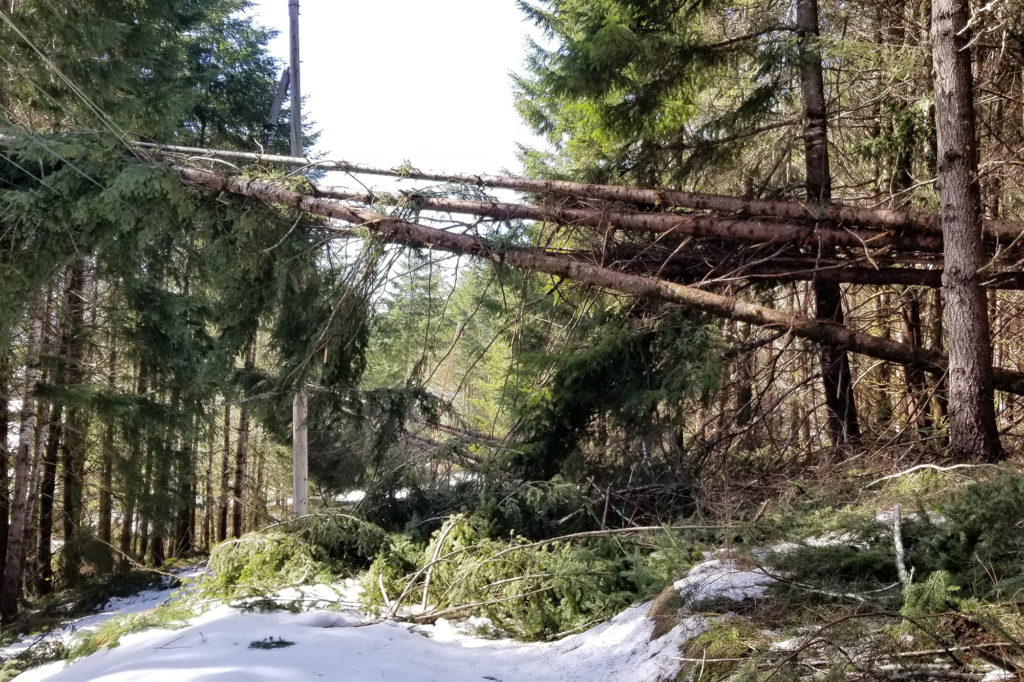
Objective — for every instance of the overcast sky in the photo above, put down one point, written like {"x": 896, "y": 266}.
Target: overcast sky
{"x": 425, "y": 81}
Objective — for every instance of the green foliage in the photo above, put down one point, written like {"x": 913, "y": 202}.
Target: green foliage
{"x": 871, "y": 566}
{"x": 346, "y": 540}
{"x": 197, "y": 73}
{"x": 529, "y": 593}
{"x": 172, "y": 614}
{"x": 648, "y": 92}
{"x": 930, "y": 597}
{"x": 727, "y": 638}
{"x": 258, "y": 563}
{"x": 629, "y": 373}
{"x": 969, "y": 548}
{"x": 33, "y": 657}
{"x": 534, "y": 510}
{"x": 306, "y": 551}
{"x": 978, "y": 539}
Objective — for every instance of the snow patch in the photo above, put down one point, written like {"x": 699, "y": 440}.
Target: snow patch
{"x": 722, "y": 579}
{"x": 328, "y": 645}
{"x": 326, "y": 619}
{"x": 117, "y": 606}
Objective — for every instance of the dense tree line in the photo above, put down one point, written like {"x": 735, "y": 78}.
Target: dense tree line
{"x": 152, "y": 333}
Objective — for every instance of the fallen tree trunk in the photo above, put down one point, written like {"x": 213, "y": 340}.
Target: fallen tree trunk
{"x": 403, "y": 232}
{"x": 677, "y": 270}
{"x": 1000, "y": 231}
{"x": 702, "y": 226}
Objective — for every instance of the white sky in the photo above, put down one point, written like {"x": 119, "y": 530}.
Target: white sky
{"x": 420, "y": 80}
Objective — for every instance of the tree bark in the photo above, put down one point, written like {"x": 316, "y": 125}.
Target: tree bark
{"x": 5, "y": 455}
{"x": 843, "y": 425}
{"x": 107, "y": 452}
{"x": 11, "y": 587}
{"x": 47, "y": 487}
{"x": 225, "y": 477}
{"x": 913, "y": 333}
{"x": 972, "y": 420}
{"x": 877, "y": 218}
{"x": 403, "y": 232}
{"x": 130, "y": 488}
{"x": 184, "y": 536}
{"x": 241, "y": 453}
{"x": 300, "y": 454}
{"x": 73, "y": 446}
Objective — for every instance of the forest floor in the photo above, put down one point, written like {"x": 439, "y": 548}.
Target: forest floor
{"x": 342, "y": 643}
{"x": 921, "y": 578}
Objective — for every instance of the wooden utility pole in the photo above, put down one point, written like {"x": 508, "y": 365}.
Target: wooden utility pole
{"x": 300, "y": 455}
{"x": 300, "y": 440}
{"x": 293, "y": 77}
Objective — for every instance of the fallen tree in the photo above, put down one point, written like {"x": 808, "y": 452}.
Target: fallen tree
{"x": 1001, "y": 232}
{"x": 403, "y": 232}
{"x": 702, "y": 226}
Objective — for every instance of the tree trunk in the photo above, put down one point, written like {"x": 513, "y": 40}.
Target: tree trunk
{"x": 5, "y": 455}
{"x": 47, "y": 488}
{"x": 146, "y": 498}
{"x": 184, "y": 534}
{"x": 835, "y": 363}
{"x": 157, "y": 556}
{"x": 225, "y": 477}
{"x": 972, "y": 421}
{"x": 107, "y": 452}
{"x": 73, "y": 447}
{"x": 300, "y": 454}
{"x": 241, "y": 453}
{"x": 11, "y": 587}
{"x": 209, "y": 505}
{"x": 936, "y": 341}
{"x": 913, "y": 333}
{"x": 129, "y": 487}
{"x": 412, "y": 234}
{"x": 876, "y": 218}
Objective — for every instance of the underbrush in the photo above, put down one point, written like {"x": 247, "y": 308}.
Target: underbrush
{"x": 309, "y": 550}
{"x": 972, "y": 532}
{"x": 963, "y": 550}
{"x": 52, "y": 610}
{"x": 530, "y": 509}
{"x": 531, "y": 591}
{"x": 172, "y": 615}
{"x": 838, "y": 594}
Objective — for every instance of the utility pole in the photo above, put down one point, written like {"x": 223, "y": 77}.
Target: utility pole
{"x": 293, "y": 76}
{"x": 300, "y": 432}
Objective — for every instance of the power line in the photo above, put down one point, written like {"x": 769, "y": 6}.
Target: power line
{"x": 106, "y": 120}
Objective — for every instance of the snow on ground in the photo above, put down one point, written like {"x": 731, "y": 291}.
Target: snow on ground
{"x": 722, "y": 579}
{"x": 136, "y": 603}
{"x": 341, "y": 644}
{"x": 334, "y": 646}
